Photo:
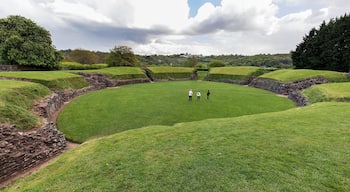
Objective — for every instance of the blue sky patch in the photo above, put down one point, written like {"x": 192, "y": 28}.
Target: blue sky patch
{"x": 196, "y": 4}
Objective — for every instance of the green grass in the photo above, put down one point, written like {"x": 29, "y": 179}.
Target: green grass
{"x": 119, "y": 72}
{"x": 128, "y": 107}
{"x": 236, "y": 73}
{"x": 290, "y": 75}
{"x": 301, "y": 149}
{"x": 51, "y": 79}
{"x": 164, "y": 72}
{"x": 16, "y": 101}
{"x": 328, "y": 92}
{"x": 79, "y": 66}
{"x": 239, "y": 70}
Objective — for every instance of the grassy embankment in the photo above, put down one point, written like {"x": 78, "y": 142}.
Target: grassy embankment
{"x": 290, "y": 75}
{"x": 165, "y": 73}
{"x": 301, "y": 149}
{"x": 16, "y": 101}
{"x": 17, "y": 97}
{"x": 240, "y": 73}
{"x": 51, "y": 79}
{"x": 121, "y": 73}
{"x": 328, "y": 92}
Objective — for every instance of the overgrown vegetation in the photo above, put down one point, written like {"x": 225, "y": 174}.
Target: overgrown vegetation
{"x": 17, "y": 99}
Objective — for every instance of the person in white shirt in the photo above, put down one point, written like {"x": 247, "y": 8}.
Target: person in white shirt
{"x": 190, "y": 93}
{"x": 198, "y": 94}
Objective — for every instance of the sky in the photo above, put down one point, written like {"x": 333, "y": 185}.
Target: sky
{"x": 207, "y": 27}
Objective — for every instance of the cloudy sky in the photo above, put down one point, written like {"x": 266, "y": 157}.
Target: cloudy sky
{"x": 178, "y": 26}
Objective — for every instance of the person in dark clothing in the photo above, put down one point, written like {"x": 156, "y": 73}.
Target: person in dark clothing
{"x": 208, "y": 94}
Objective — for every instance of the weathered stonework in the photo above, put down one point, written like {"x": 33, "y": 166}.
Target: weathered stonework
{"x": 22, "y": 150}
{"x": 293, "y": 90}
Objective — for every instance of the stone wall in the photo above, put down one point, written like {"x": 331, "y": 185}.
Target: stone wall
{"x": 292, "y": 90}
{"x": 9, "y": 68}
{"x": 22, "y": 150}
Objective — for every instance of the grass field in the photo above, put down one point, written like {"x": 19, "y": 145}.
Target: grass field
{"x": 164, "y": 72}
{"x": 51, "y": 79}
{"x": 290, "y": 75}
{"x": 236, "y": 73}
{"x": 301, "y": 149}
{"x": 328, "y": 92}
{"x": 128, "y": 107}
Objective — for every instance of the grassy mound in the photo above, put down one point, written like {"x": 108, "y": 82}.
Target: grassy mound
{"x": 16, "y": 101}
{"x": 235, "y": 73}
{"x": 120, "y": 72}
{"x": 114, "y": 110}
{"x": 301, "y": 149}
{"x": 51, "y": 79}
{"x": 171, "y": 72}
{"x": 290, "y": 75}
{"x": 328, "y": 92}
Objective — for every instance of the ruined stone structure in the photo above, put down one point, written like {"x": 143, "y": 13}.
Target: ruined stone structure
{"x": 292, "y": 90}
{"x": 22, "y": 150}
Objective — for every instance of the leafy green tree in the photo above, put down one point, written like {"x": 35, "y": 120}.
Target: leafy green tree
{"x": 83, "y": 56}
{"x": 216, "y": 63}
{"x": 121, "y": 56}
{"x": 23, "y": 42}
{"x": 326, "y": 48}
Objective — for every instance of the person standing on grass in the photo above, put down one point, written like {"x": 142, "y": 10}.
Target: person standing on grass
{"x": 208, "y": 94}
{"x": 190, "y": 93}
{"x": 198, "y": 94}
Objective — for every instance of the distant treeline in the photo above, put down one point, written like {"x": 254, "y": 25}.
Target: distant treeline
{"x": 261, "y": 60}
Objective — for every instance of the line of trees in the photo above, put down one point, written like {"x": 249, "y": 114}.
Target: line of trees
{"x": 326, "y": 48}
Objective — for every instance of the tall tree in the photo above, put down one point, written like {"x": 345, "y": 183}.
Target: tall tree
{"x": 325, "y": 48}
{"x": 83, "y": 56}
{"x": 121, "y": 56}
{"x": 23, "y": 42}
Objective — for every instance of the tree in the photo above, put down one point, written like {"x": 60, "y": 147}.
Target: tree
{"x": 326, "y": 48}
{"x": 216, "y": 63}
{"x": 83, "y": 56}
{"x": 121, "y": 56}
{"x": 23, "y": 42}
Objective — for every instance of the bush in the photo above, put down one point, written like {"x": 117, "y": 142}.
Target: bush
{"x": 216, "y": 63}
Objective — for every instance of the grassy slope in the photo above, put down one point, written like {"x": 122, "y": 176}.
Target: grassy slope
{"x": 302, "y": 149}
{"x": 119, "y": 72}
{"x": 290, "y": 75}
{"x": 51, "y": 79}
{"x": 128, "y": 107}
{"x": 328, "y": 92}
{"x": 16, "y": 101}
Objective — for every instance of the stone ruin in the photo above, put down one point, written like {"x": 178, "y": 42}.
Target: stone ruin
{"x": 22, "y": 150}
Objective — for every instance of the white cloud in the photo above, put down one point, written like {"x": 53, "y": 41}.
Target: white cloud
{"x": 164, "y": 26}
